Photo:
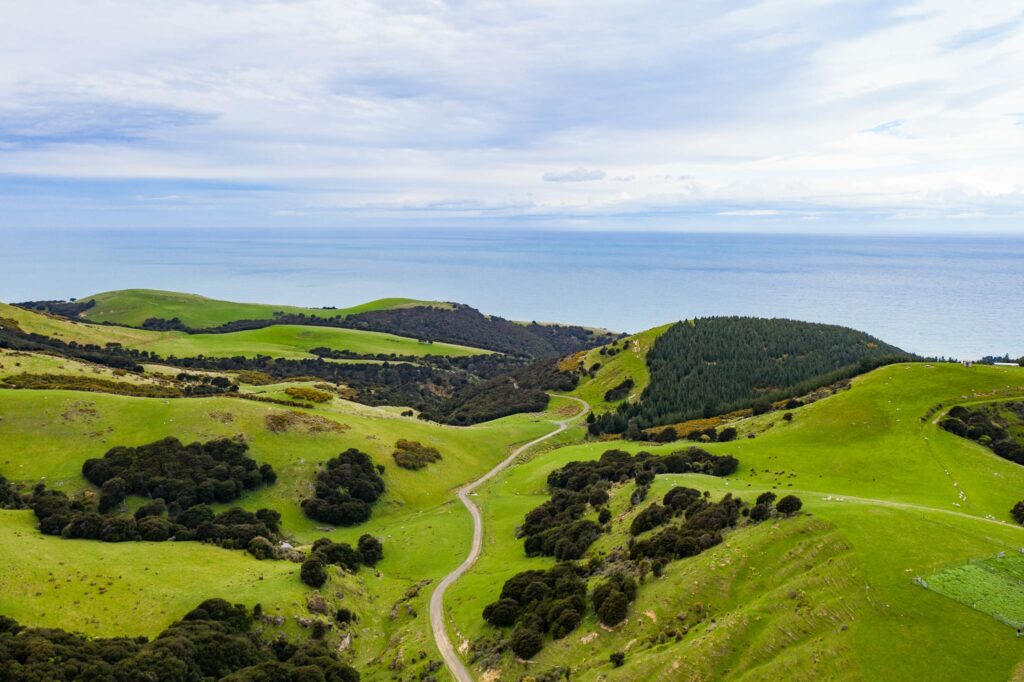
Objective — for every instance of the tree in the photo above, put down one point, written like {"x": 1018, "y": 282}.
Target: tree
{"x": 613, "y": 608}
{"x": 1018, "y": 512}
{"x": 261, "y": 548}
{"x": 759, "y": 512}
{"x": 112, "y": 493}
{"x": 154, "y": 528}
{"x": 766, "y": 498}
{"x": 313, "y": 573}
{"x": 617, "y": 659}
{"x": 502, "y": 613}
{"x": 370, "y": 549}
{"x": 789, "y": 505}
{"x": 526, "y": 642}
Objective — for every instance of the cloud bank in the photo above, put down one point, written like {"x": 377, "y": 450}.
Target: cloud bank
{"x": 786, "y": 114}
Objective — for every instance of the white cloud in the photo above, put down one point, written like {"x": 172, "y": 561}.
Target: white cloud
{"x": 574, "y": 175}
{"x": 405, "y": 109}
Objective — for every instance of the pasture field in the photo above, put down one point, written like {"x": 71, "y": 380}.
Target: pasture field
{"x": 293, "y": 341}
{"x": 888, "y": 496}
{"x": 283, "y": 341}
{"x": 994, "y": 585}
{"x": 134, "y": 306}
{"x": 47, "y": 435}
{"x": 15, "y": 362}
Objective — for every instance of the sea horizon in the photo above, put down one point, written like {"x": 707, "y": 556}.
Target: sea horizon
{"x": 951, "y": 295}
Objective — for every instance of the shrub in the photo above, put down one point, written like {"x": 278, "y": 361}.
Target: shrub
{"x": 346, "y": 487}
{"x": 154, "y": 528}
{"x": 370, "y": 550}
{"x": 502, "y": 613}
{"x": 312, "y": 395}
{"x": 1018, "y": 512}
{"x": 526, "y": 642}
{"x": 766, "y": 498}
{"x": 261, "y": 548}
{"x": 410, "y": 454}
{"x": 651, "y": 517}
{"x": 10, "y": 498}
{"x": 613, "y": 609}
{"x": 760, "y": 512}
{"x": 313, "y": 573}
{"x": 617, "y": 659}
{"x": 789, "y": 505}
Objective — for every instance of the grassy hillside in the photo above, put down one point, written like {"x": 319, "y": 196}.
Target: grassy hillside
{"x": 292, "y": 341}
{"x": 48, "y": 434}
{"x": 134, "y": 306}
{"x": 284, "y": 341}
{"x": 890, "y": 496}
{"x": 629, "y": 363}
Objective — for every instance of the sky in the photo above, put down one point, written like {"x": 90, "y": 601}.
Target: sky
{"x": 786, "y": 115}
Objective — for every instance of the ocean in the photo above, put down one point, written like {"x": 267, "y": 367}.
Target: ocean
{"x": 944, "y": 296}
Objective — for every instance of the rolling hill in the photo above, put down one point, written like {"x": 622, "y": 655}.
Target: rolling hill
{"x": 132, "y": 307}
{"x": 901, "y": 565}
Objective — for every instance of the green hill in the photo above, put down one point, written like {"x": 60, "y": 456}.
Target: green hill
{"x": 283, "y": 341}
{"x": 134, "y": 306}
{"x": 139, "y": 588}
{"x": 607, "y": 367}
{"x": 714, "y": 365}
{"x": 893, "y": 570}
{"x": 890, "y": 496}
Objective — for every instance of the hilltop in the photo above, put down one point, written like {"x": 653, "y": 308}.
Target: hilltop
{"x": 132, "y": 307}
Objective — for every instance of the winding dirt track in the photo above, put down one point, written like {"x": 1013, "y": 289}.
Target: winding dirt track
{"x": 437, "y": 624}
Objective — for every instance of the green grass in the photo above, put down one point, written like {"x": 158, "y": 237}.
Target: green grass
{"x": 291, "y": 341}
{"x": 826, "y": 596}
{"x": 50, "y": 582}
{"x": 15, "y": 362}
{"x": 628, "y": 364}
{"x": 133, "y": 306}
{"x": 425, "y": 532}
{"x": 994, "y": 586}
{"x": 284, "y": 341}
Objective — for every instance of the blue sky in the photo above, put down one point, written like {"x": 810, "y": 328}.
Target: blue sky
{"x": 775, "y": 116}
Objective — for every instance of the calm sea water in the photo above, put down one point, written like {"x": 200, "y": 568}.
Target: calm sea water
{"x": 952, "y": 296}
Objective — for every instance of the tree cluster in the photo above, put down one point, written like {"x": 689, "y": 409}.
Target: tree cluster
{"x": 10, "y": 496}
{"x": 81, "y": 519}
{"x": 412, "y": 454}
{"x": 72, "y": 309}
{"x": 620, "y": 391}
{"x": 991, "y": 425}
{"x": 326, "y": 552}
{"x": 537, "y": 602}
{"x": 215, "y": 641}
{"x": 715, "y": 365}
{"x": 181, "y": 475}
{"x": 700, "y": 528}
{"x": 346, "y": 488}
{"x": 557, "y": 527}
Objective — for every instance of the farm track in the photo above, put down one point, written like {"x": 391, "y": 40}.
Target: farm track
{"x": 437, "y": 621}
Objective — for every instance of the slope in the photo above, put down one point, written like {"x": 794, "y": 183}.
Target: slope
{"x": 48, "y": 434}
{"x": 285, "y": 341}
{"x": 601, "y": 372}
{"x": 889, "y": 495}
{"x": 714, "y": 365}
{"x": 133, "y": 306}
